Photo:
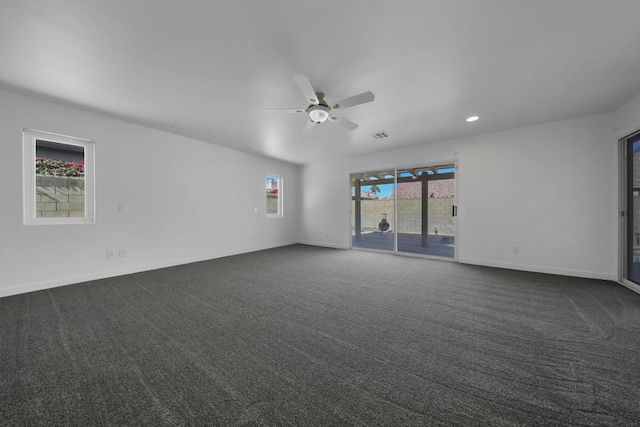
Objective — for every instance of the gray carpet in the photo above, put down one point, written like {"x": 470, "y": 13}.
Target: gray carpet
{"x": 311, "y": 336}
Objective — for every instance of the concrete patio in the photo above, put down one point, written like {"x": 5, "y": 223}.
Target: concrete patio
{"x": 437, "y": 245}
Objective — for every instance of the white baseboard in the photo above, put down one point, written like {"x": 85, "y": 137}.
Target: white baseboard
{"x": 521, "y": 267}
{"x": 48, "y": 284}
{"x": 540, "y": 269}
{"x": 5, "y": 292}
{"x": 324, "y": 244}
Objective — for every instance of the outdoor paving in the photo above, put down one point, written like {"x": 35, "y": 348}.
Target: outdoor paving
{"x": 406, "y": 243}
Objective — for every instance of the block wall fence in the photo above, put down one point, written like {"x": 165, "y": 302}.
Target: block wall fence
{"x": 636, "y": 229}
{"x": 409, "y": 215}
{"x": 272, "y": 204}
{"x": 59, "y": 197}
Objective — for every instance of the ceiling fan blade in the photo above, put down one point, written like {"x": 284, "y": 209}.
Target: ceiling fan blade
{"x": 283, "y": 110}
{"x": 305, "y": 87}
{"x": 347, "y": 124}
{"x": 362, "y": 98}
{"x": 308, "y": 127}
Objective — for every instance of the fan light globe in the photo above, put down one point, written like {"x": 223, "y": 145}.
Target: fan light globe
{"x": 318, "y": 113}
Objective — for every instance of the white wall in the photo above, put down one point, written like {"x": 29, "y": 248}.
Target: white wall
{"x": 626, "y": 119}
{"x": 549, "y": 189}
{"x": 506, "y": 181}
{"x": 212, "y": 190}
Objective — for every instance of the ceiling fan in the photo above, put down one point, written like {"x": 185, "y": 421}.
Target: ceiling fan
{"x": 319, "y": 110}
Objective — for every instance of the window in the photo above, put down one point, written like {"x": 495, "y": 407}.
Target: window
{"x": 274, "y": 196}
{"x": 58, "y": 179}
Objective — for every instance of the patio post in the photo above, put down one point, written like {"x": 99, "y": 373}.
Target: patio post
{"x": 425, "y": 208}
{"x": 358, "y": 209}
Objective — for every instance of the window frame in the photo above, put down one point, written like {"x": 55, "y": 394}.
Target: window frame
{"x": 280, "y": 204}
{"x": 30, "y": 136}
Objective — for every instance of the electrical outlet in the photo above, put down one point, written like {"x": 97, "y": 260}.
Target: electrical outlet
{"x": 255, "y": 209}
{"x": 122, "y": 253}
{"x": 122, "y": 207}
{"x": 109, "y": 254}
{"x": 516, "y": 250}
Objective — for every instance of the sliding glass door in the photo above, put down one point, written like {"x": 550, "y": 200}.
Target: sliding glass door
{"x": 631, "y": 224}
{"x": 408, "y": 210}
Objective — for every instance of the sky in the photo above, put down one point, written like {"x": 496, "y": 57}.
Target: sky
{"x": 386, "y": 190}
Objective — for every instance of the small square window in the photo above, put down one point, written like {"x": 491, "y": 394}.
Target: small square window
{"x": 58, "y": 179}
{"x": 274, "y": 196}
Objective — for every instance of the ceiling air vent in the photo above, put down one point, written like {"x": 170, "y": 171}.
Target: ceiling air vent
{"x": 380, "y": 135}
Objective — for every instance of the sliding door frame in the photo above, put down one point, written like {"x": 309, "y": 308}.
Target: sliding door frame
{"x": 625, "y": 179}
{"x": 395, "y": 207}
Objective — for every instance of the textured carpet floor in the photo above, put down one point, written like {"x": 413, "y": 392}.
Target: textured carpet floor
{"x": 311, "y": 336}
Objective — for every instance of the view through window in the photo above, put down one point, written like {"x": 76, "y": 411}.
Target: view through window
{"x": 59, "y": 180}
{"x": 274, "y": 195}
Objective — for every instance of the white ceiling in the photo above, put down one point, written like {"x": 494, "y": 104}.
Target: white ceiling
{"x": 205, "y": 69}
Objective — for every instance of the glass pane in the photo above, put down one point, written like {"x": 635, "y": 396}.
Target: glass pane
{"x": 633, "y": 226}
{"x": 372, "y": 210}
{"x": 425, "y": 199}
{"x": 273, "y": 195}
{"x": 60, "y": 180}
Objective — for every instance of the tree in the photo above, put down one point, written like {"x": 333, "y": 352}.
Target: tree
{"x": 375, "y": 190}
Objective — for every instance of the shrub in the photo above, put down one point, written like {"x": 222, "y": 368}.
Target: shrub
{"x": 55, "y": 167}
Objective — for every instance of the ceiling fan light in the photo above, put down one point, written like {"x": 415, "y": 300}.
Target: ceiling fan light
{"x": 318, "y": 113}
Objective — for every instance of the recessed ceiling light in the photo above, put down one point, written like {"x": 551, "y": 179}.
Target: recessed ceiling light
{"x": 472, "y": 118}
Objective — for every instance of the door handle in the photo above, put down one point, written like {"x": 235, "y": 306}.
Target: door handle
{"x": 454, "y": 210}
